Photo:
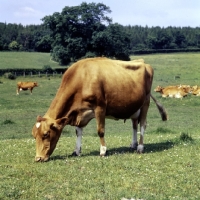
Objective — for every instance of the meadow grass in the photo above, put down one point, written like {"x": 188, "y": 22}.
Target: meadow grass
{"x": 26, "y": 60}
{"x": 169, "y": 168}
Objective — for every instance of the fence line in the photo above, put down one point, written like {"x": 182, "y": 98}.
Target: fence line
{"x": 39, "y": 74}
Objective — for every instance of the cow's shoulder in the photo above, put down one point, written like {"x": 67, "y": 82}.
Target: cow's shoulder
{"x": 136, "y": 65}
{"x": 19, "y": 83}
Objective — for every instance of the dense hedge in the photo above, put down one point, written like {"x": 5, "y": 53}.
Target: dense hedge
{"x": 21, "y": 72}
{"x": 151, "y": 51}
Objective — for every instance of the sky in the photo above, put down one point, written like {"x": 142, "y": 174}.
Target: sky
{"x": 151, "y": 13}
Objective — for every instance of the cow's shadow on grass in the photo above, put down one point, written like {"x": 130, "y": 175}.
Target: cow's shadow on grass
{"x": 149, "y": 148}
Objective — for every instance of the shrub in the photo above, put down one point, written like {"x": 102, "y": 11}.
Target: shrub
{"x": 47, "y": 68}
{"x": 185, "y": 137}
{"x": 14, "y": 46}
{"x": 162, "y": 130}
{"x": 10, "y": 75}
{"x": 8, "y": 121}
{"x": 90, "y": 55}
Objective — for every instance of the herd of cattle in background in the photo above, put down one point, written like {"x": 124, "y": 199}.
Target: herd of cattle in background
{"x": 178, "y": 91}
{"x": 174, "y": 91}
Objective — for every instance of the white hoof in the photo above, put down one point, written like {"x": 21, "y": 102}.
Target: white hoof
{"x": 102, "y": 150}
{"x": 77, "y": 152}
{"x": 140, "y": 148}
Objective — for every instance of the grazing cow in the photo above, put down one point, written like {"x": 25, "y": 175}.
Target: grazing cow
{"x": 26, "y": 86}
{"x": 171, "y": 91}
{"x": 97, "y": 88}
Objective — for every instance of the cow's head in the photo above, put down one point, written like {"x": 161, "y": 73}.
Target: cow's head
{"x": 46, "y": 132}
{"x": 35, "y": 84}
{"x": 158, "y": 89}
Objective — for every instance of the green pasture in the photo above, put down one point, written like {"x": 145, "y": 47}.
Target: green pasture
{"x": 25, "y": 60}
{"x": 169, "y": 168}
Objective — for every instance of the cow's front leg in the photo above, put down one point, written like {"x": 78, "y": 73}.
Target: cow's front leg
{"x": 79, "y": 132}
{"x": 17, "y": 91}
{"x": 100, "y": 118}
{"x": 103, "y": 145}
{"x": 142, "y": 120}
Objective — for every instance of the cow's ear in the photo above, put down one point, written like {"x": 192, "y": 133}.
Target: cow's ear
{"x": 39, "y": 118}
{"x": 55, "y": 126}
{"x": 59, "y": 123}
{"x": 62, "y": 121}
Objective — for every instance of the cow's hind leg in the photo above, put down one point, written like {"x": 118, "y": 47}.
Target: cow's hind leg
{"x": 140, "y": 148}
{"x": 17, "y": 91}
{"x": 79, "y": 133}
{"x": 134, "y": 120}
{"x": 134, "y": 143}
{"x": 100, "y": 119}
{"x": 142, "y": 121}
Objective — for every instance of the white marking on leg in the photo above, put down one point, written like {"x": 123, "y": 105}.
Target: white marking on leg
{"x": 102, "y": 150}
{"x": 79, "y": 132}
{"x": 134, "y": 119}
{"x": 140, "y": 147}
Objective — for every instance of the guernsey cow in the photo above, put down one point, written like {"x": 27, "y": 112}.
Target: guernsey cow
{"x": 171, "y": 91}
{"x": 97, "y": 88}
{"x": 26, "y": 86}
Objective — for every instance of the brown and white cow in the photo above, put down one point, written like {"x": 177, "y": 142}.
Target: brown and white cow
{"x": 26, "y": 86}
{"x": 97, "y": 88}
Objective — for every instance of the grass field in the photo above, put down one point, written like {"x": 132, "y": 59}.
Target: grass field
{"x": 169, "y": 168}
{"x": 24, "y": 60}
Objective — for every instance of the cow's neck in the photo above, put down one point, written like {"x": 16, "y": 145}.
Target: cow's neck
{"x": 60, "y": 105}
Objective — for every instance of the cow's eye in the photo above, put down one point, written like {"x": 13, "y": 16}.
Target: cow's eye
{"x": 46, "y": 134}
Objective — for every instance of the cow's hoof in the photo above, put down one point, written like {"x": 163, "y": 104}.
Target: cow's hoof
{"x": 134, "y": 146}
{"x": 74, "y": 154}
{"x": 103, "y": 155}
{"x": 140, "y": 148}
{"x": 103, "y": 151}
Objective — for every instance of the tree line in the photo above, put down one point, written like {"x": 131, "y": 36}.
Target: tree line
{"x": 86, "y": 31}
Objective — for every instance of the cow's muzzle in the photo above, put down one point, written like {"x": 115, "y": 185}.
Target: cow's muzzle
{"x": 41, "y": 159}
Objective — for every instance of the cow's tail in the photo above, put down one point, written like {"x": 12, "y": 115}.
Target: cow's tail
{"x": 161, "y": 109}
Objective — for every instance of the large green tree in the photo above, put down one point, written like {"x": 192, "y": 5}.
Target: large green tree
{"x": 114, "y": 41}
{"x": 81, "y": 30}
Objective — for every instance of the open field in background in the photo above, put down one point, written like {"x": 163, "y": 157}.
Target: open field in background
{"x": 169, "y": 168}
{"x": 25, "y": 60}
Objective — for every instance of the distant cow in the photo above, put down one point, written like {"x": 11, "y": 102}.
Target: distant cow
{"x": 186, "y": 88}
{"x": 171, "y": 91}
{"x": 26, "y": 86}
{"x": 97, "y": 88}
{"x": 196, "y": 90}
